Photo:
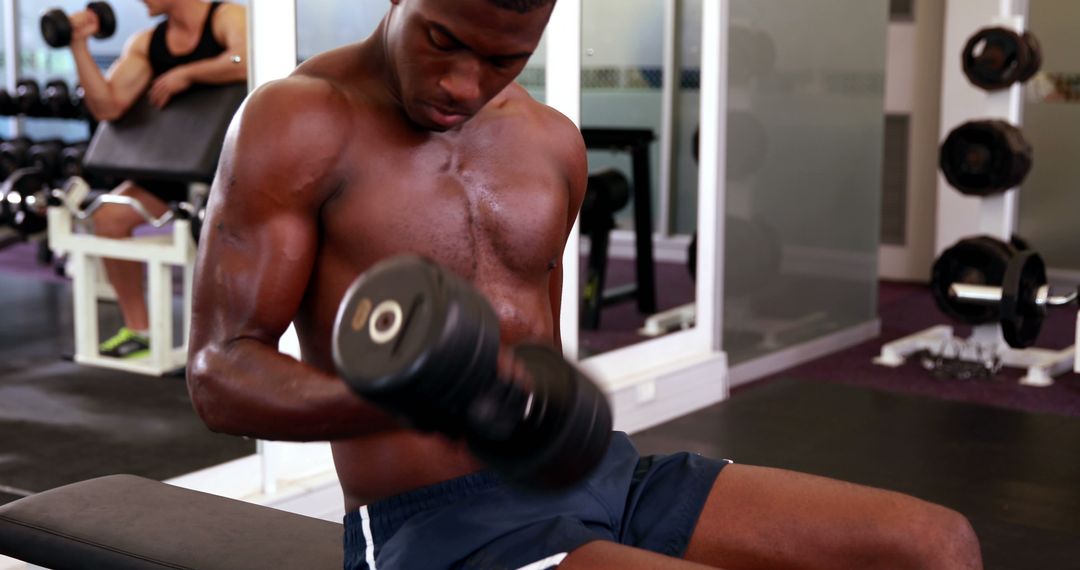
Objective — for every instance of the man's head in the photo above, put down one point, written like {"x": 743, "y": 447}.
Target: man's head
{"x": 447, "y": 59}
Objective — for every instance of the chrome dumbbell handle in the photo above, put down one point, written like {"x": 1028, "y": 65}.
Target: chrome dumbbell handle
{"x": 990, "y": 295}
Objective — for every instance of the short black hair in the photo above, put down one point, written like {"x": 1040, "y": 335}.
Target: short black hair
{"x": 521, "y": 6}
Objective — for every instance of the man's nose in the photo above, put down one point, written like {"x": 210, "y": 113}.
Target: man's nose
{"x": 462, "y": 82}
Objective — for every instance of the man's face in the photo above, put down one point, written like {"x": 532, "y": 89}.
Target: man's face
{"x": 450, "y": 58}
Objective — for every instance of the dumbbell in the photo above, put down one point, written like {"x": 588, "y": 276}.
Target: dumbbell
{"x": 58, "y": 100}
{"x": 46, "y": 156}
{"x": 57, "y": 26}
{"x": 995, "y": 58}
{"x": 13, "y": 155}
{"x": 420, "y": 342}
{"x": 7, "y": 104}
{"x": 981, "y": 158}
{"x": 28, "y": 98}
{"x": 71, "y": 160}
{"x": 26, "y": 192}
{"x": 1021, "y": 302}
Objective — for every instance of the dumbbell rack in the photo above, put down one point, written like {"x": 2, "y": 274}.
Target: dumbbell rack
{"x": 160, "y": 253}
{"x": 1042, "y": 365}
{"x": 996, "y": 214}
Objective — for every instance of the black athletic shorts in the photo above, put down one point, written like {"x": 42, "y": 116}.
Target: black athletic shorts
{"x": 476, "y": 521}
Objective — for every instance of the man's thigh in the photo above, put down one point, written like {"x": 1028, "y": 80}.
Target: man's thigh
{"x": 758, "y": 517}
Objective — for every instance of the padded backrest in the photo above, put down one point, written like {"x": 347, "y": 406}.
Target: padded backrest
{"x": 180, "y": 143}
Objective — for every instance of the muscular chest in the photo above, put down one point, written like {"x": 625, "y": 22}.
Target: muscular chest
{"x": 476, "y": 208}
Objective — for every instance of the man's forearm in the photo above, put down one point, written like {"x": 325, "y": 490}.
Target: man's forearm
{"x": 248, "y": 388}
{"x": 98, "y": 94}
{"x": 225, "y": 68}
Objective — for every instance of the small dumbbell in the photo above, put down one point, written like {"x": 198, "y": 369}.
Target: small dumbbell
{"x": 28, "y": 98}
{"x": 7, "y": 104}
{"x": 58, "y": 101}
{"x": 26, "y": 194}
{"x": 46, "y": 156}
{"x": 13, "y": 155}
{"x": 421, "y": 342}
{"x": 71, "y": 160}
{"x": 57, "y": 26}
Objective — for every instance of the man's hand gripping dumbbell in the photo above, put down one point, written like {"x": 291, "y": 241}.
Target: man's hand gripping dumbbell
{"x": 422, "y": 343}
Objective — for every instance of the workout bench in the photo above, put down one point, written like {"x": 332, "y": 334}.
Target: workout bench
{"x": 122, "y": 521}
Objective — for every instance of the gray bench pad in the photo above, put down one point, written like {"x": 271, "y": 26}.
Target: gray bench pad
{"x": 123, "y": 521}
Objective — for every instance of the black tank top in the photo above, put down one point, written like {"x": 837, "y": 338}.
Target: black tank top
{"x": 161, "y": 60}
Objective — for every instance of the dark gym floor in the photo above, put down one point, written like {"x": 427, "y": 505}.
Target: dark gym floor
{"x": 1003, "y": 454}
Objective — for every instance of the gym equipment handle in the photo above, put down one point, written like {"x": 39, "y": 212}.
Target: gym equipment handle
{"x": 991, "y": 296}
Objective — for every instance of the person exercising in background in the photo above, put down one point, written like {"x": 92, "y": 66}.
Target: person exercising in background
{"x": 417, "y": 141}
{"x": 197, "y": 43}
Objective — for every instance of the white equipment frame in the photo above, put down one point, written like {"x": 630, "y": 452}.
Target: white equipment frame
{"x": 160, "y": 253}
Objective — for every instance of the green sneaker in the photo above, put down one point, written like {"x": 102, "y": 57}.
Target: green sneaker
{"x": 126, "y": 343}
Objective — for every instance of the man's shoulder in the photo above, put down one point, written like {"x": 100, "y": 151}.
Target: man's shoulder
{"x": 538, "y": 115}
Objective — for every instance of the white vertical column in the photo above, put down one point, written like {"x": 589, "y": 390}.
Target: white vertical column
{"x": 712, "y": 168}
{"x": 669, "y": 92}
{"x": 12, "y": 51}
{"x": 271, "y": 40}
{"x": 958, "y": 215}
{"x": 563, "y": 91}
{"x": 272, "y": 50}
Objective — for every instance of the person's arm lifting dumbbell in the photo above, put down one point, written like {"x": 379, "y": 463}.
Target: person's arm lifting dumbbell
{"x": 59, "y": 29}
{"x": 424, "y": 344}
{"x": 107, "y": 96}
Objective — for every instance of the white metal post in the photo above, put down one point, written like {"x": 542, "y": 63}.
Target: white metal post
{"x": 712, "y": 169}
{"x": 84, "y": 301}
{"x": 959, "y": 216}
{"x": 669, "y": 93}
{"x": 271, "y": 40}
{"x": 159, "y": 294}
{"x": 13, "y": 52}
{"x": 563, "y": 92}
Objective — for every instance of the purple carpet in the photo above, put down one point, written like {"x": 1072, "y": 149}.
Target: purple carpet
{"x": 906, "y": 309}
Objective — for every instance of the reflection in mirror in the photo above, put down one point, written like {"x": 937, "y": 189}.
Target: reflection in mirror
{"x": 639, "y": 82}
{"x": 803, "y": 158}
{"x": 1049, "y": 199}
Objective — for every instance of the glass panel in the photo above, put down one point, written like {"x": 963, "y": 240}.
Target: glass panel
{"x": 622, "y": 82}
{"x": 326, "y": 24}
{"x": 1049, "y": 199}
{"x": 804, "y": 156}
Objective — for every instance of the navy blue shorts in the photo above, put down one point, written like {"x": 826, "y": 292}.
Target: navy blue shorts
{"x": 476, "y": 521}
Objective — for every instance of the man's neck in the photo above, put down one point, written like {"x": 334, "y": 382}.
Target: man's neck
{"x": 189, "y": 15}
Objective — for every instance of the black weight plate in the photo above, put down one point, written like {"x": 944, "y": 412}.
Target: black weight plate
{"x": 1021, "y": 316}
{"x": 106, "y": 19}
{"x": 980, "y": 158}
{"x": 56, "y": 28}
{"x": 415, "y": 339}
{"x": 1035, "y": 58}
{"x": 994, "y": 58}
{"x": 566, "y": 433}
{"x": 980, "y": 260}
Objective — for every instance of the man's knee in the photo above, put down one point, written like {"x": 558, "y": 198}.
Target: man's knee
{"x": 942, "y": 538}
{"x": 114, "y": 221}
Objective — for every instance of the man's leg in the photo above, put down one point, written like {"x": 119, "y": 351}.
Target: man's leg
{"x": 757, "y": 517}
{"x": 126, "y": 277}
{"x": 602, "y": 555}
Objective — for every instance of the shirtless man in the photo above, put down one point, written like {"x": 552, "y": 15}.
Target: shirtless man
{"x": 197, "y": 42}
{"x": 417, "y": 141}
